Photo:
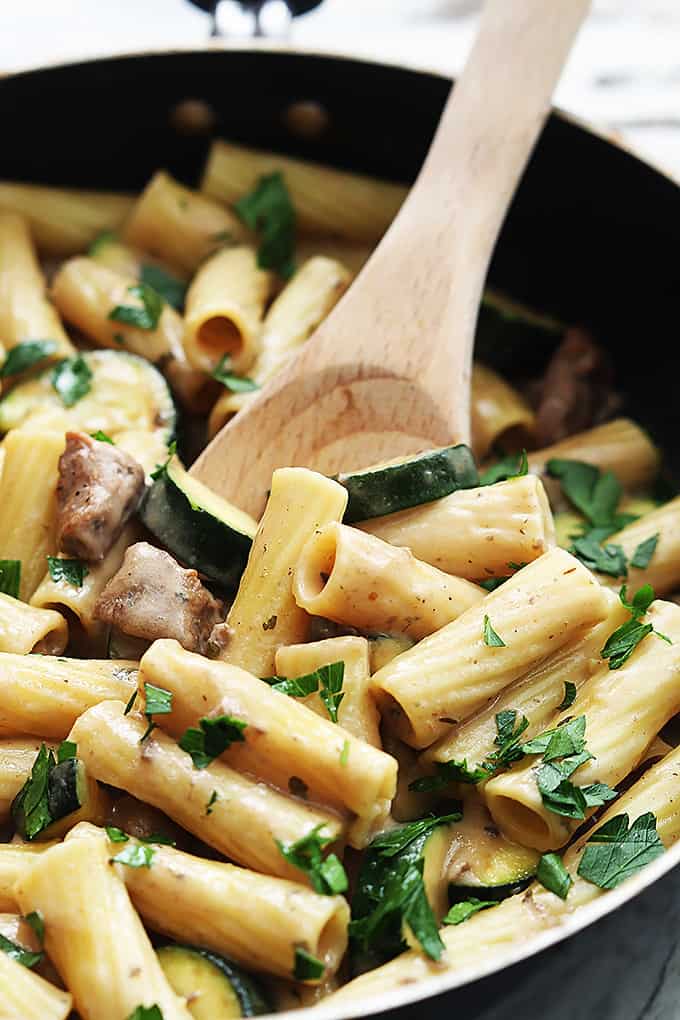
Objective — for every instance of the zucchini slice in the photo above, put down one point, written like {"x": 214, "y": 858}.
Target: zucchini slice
{"x": 484, "y": 863}
{"x": 126, "y": 394}
{"x": 197, "y": 526}
{"x": 214, "y": 988}
{"x": 408, "y": 481}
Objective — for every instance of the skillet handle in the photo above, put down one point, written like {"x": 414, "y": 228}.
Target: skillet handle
{"x": 248, "y": 18}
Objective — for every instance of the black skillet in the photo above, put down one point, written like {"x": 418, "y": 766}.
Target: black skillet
{"x": 593, "y": 236}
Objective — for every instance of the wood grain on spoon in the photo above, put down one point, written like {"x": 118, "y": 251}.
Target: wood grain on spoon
{"x": 388, "y": 372}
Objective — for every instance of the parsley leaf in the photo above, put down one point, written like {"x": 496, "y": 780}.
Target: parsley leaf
{"x": 234, "y": 383}
{"x": 211, "y": 802}
{"x": 515, "y": 465}
{"x": 391, "y": 893}
{"x": 607, "y": 559}
{"x": 67, "y": 749}
{"x": 449, "y": 772}
{"x": 157, "y": 701}
{"x": 30, "y": 809}
{"x": 615, "y": 852}
{"x": 102, "y": 437}
{"x": 569, "y": 695}
{"x": 116, "y": 835}
{"x": 71, "y": 380}
{"x": 135, "y": 855}
{"x": 172, "y": 290}
{"x": 18, "y": 953}
{"x": 344, "y": 754}
{"x": 621, "y": 644}
{"x": 594, "y": 493}
{"x": 327, "y": 680}
{"x": 71, "y": 571}
{"x": 269, "y": 208}
{"x": 130, "y": 704}
{"x": 146, "y": 1013}
{"x": 10, "y": 577}
{"x": 553, "y": 875}
{"x": 567, "y": 739}
{"x": 215, "y": 735}
{"x": 644, "y": 552}
{"x": 327, "y": 875}
{"x": 35, "y": 920}
{"x": 160, "y": 469}
{"x": 146, "y": 317}
{"x": 306, "y": 968}
{"x": 460, "y": 912}
{"x": 491, "y": 638}
{"x": 508, "y": 732}
{"x": 25, "y": 355}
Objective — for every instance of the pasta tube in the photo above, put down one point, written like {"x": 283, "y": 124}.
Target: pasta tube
{"x": 355, "y": 578}
{"x": 245, "y": 817}
{"x": 93, "y": 934}
{"x": 86, "y": 293}
{"x": 64, "y": 221}
{"x": 663, "y": 568}
{"x": 327, "y": 201}
{"x": 44, "y": 695}
{"x": 537, "y": 695}
{"x": 300, "y": 307}
{"x": 26, "y": 996}
{"x": 357, "y": 712}
{"x": 646, "y": 690}
{"x": 25, "y": 629}
{"x": 16, "y": 860}
{"x": 283, "y": 738}
{"x": 450, "y": 674}
{"x": 495, "y": 932}
{"x": 28, "y": 503}
{"x": 25, "y": 312}
{"x": 475, "y": 533}
{"x": 224, "y": 309}
{"x": 17, "y": 756}
{"x": 77, "y": 604}
{"x": 498, "y": 412}
{"x": 254, "y": 919}
{"x": 110, "y": 251}
{"x": 264, "y": 614}
{"x": 353, "y": 256}
{"x": 620, "y": 446}
{"x": 178, "y": 225}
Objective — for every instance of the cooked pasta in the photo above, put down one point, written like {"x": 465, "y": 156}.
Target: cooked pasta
{"x": 242, "y": 761}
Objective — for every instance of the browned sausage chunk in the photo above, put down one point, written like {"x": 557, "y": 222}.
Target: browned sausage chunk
{"x": 152, "y": 597}
{"x": 98, "y": 490}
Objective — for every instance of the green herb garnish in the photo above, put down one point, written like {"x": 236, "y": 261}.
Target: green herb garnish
{"x": 644, "y": 552}
{"x": 102, "y": 437}
{"x": 73, "y": 572}
{"x": 307, "y": 967}
{"x": 515, "y": 465}
{"x": 25, "y": 355}
{"x": 146, "y": 1013}
{"x": 615, "y": 852}
{"x": 269, "y": 208}
{"x": 491, "y": 638}
{"x": 172, "y": 290}
{"x": 234, "y": 383}
{"x": 621, "y": 644}
{"x": 35, "y": 921}
{"x": 157, "y": 701}
{"x": 10, "y": 577}
{"x": 146, "y": 317}
{"x": 22, "y": 956}
{"x": 71, "y": 380}
{"x": 211, "y": 802}
{"x": 569, "y": 696}
{"x": 212, "y": 737}
{"x": 135, "y": 855}
{"x": 326, "y": 874}
{"x": 460, "y": 912}
{"x": 327, "y": 680}
{"x": 553, "y": 875}
{"x": 116, "y": 835}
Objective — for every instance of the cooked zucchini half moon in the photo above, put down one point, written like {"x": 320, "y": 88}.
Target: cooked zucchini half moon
{"x": 214, "y": 988}
{"x": 484, "y": 863}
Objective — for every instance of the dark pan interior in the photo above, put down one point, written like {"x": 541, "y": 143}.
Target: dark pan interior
{"x": 592, "y": 236}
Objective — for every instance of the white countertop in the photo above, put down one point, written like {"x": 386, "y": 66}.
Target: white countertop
{"x": 624, "y": 72}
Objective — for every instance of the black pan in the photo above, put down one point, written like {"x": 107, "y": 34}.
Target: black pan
{"x": 592, "y": 236}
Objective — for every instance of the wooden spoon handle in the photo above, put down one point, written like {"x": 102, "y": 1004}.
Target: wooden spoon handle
{"x": 388, "y": 372}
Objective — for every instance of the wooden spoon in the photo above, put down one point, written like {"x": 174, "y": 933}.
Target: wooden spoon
{"x": 388, "y": 372}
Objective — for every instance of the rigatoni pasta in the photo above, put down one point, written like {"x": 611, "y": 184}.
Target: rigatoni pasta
{"x": 25, "y": 628}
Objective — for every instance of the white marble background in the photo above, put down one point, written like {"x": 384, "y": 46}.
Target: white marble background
{"x": 624, "y": 72}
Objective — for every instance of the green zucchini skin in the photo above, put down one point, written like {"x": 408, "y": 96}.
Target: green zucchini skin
{"x": 461, "y": 893}
{"x": 246, "y": 989}
{"x": 386, "y": 489}
{"x": 196, "y": 537}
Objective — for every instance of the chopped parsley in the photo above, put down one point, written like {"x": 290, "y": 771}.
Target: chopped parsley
{"x": 71, "y": 380}
{"x": 326, "y": 874}
{"x": 160, "y": 469}
{"x": 35, "y": 921}
{"x": 232, "y": 382}
{"x": 306, "y": 968}
{"x": 491, "y": 638}
{"x": 135, "y": 855}
{"x": 644, "y": 552}
{"x": 211, "y": 738}
{"x": 116, "y": 835}
{"x": 460, "y": 912}
{"x": 130, "y": 704}
{"x": 449, "y": 772}
{"x": 10, "y": 577}
{"x": 25, "y": 355}
{"x": 100, "y": 241}
{"x": 146, "y": 317}
{"x": 344, "y": 754}
{"x": 326, "y": 680}
{"x": 172, "y": 290}
{"x": 391, "y": 893}
{"x": 73, "y": 572}
{"x": 515, "y": 465}
{"x": 157, "y": 701}
{"x": 569, "y": 696}
{"x": 67, "y": 749}
{"x": 30, "y": 809}
{"x": 553, "y": 875}
{"x": 211, "y": 802}
{"x": 607, "y": 559}
{"x": 269, "y": 208}
{"x": 615, "y": 852}
{"x": 146, "y": 1013}
{"x": 621, "y": 644}
{"x": 102, "y": 437}
{"x": 18, "y": 953}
